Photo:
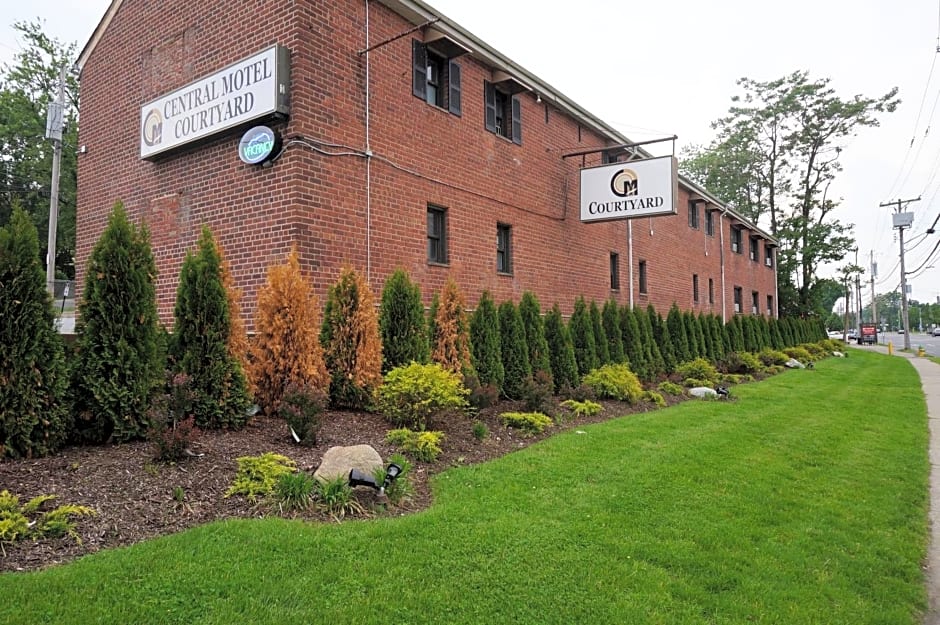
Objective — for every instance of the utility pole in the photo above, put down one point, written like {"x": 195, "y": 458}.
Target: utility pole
{"x": 900, "y": 222}
{"x": 874, "y": 274}
{"x": 54, "y": 131}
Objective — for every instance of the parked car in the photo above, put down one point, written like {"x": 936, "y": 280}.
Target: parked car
{"x": 900, "y": 330}
{"x": 936, "y": 331}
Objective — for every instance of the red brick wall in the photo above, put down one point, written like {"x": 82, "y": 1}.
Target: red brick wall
{"x": 422, "y": 154}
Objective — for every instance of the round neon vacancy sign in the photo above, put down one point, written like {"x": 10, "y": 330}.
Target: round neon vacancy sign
{"x": 257, "y": 145}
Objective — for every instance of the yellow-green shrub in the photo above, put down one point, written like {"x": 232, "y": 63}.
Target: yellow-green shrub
{"x": 770, "y": 357}
{"x": 416, "y": 395}
{"x": 742, "y": 362}
{"x": 670, "y": 388}
{"x": 654, "y": 397}
{"x": 586, "y": 408}
{"x": 615, "y": 382}
{"x": 258, "y": 475}
{"x": 532, "y": 422}
{"x": 799, "y": 353}
{"x": 698, "y": 369}
{"x": 424, "y": 446}
{"x": 815, "y": 350}
{"x": 18, "y": 521}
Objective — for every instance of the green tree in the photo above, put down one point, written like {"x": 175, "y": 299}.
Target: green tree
{"x": 662, "y": 338}
{"x": 560, "y": 351}
{"x": 635, "y": 352}
{"x": 679, "y": 334}
{"x": 610, "y": 319}
{"x": 201, "y": 338}
{"x": 582, "y": 336}
{"x": 778, "y": 150}
{"x": 531, "y": 312}
{"x": 485, "y": 345}
{"x": 402, "y": 324}
{"x": 26, "y": 89}
{"x": 118, "y": 359}
{"x": 515, "y": 352}
{"x": 34, "y": 413}
{"x": 600, "y": 337}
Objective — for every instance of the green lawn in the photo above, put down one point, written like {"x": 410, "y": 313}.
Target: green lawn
{"x": 802, "y": 502}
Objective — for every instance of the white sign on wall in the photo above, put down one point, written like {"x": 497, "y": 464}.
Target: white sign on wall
{"x": 247, "y": 90}
{"x": 628, "y": 190}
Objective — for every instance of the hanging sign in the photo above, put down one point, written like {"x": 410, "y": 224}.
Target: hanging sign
{"x": 258, "y": 145}
{"x": 631, "y": 189}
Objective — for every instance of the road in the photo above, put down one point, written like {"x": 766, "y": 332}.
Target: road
{"x": 931, "y": 344}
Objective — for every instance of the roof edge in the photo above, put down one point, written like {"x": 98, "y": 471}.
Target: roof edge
{"x": 96, "y": 36}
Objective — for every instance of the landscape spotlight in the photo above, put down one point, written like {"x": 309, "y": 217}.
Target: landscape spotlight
{"x": 391, "y": 474}
{"x": 357, "y": 478}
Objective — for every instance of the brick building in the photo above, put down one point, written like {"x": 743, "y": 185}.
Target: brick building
{"x": 406, "y": 142}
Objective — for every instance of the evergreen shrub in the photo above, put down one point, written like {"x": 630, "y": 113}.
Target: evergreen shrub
{"x": 615, "y": 382}
{"x": 417, "y": 395}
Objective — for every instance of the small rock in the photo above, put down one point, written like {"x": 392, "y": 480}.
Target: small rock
{"x": 793, "y": 363}
{"x": 838, "y": 354}
{"x": 702, "y": 391}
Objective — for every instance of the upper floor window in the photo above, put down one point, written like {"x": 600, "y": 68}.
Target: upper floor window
{"x": 753, "y": 253}
{"x": 503, "y": 112}
{"x": 503, "y": 248}
{"x": 437, "y": 234}
{"x": 710, "y": 223}
{"x": 693, "y": 214}
{"x": 435, "y": 78}
{"x": 736, "y": 239}
{"x": 768, "y": 256}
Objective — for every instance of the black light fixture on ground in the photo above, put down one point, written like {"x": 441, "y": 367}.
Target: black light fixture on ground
{"x": 358, "y": 478}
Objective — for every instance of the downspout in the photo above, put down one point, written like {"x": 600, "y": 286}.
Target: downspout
{"x": 721, "y": 257}
{"x": 630, "y": 257}
{"x": 368, "y": 162}
{"x": 776, "y": 311}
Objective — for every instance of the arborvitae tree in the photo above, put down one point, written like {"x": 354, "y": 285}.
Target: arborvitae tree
{"x": 776, "y": 339}
{"x": 352, "y": 345}
{"x": 485, "y": 346}
{"x": 718, "y": 337}
{"x": 736, "y": 334}
{"x": 632, "y": 341}
{"x": 402, "y": 323}
{"x": 663, "y": 340}
{"x": 452, "y": 347}
{"x": 600, "y": 337}
{"x": 788, "y": 335}
{"x": 582, "y": 336}
{"x": 724, "y": 330}
{"x": 678, "y": 334}
{"x": 515, "y": 351}
{"x": 765, "y": 338}
{"x": 286, "y": 351}
{"x": 560, "y": 351}
{"x": 118, "y": 366}
{"x": 201, "y": 337}
{"x": 610, "y": 318}
{"x": 688, "y": 322}
{"x": 651, "y": 330}
{"x": 34, "y": 414}
{"x": 531, "y": 313}
{"x": 703, "y": 327}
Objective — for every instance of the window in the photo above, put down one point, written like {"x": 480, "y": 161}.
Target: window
{"x": 615, "y": 271}
{"x": 643, "y": 277}
{"x": 736, "y": 239}
{"x": 435, "y": 79}
{"x": 503, "y": 248}
{"x": 755, "y": 306}
{"x": 695, "y": 288}
{"x": 711, "y": 291}
{"x": 503, "y": 113}
{"x": 753, "y": 249}
{"x": 737, "y": 299}
{"x": 693, "y": 214}
{"x": 710, "y": 223}
{"x": 770, "y": 305}
{"x": 437, "y": 234}
{"x": 768, "y": 256}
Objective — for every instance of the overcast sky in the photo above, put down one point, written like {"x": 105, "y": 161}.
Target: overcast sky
{"x": 662, "y": 67}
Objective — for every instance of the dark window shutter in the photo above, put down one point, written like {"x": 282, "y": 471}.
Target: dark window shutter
{"x": 516, "y": 120}
{"x": 419, "y": 62}
{"x": 453, "y": 96}
{"x": 489, "y": 96}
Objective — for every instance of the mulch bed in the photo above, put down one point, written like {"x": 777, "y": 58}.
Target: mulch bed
{"x": 134, "y": 496}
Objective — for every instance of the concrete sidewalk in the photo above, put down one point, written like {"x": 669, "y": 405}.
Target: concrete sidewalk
{"x": 930, "y": 381}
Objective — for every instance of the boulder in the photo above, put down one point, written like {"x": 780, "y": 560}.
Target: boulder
{"x": 838, "y": 354}
{"x": 703, "y": 391}
{"x": 338, "y": 461}
{"x": 793, "y": 363}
